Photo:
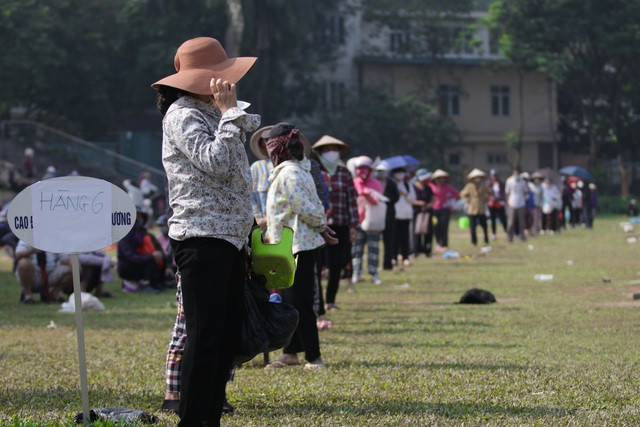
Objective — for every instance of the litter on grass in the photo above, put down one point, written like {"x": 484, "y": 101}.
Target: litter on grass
{"x": 543, "y": 277}
{"x": 89, "y": 303}
{"x": 570, "y": 262}
{"x": 52, "y": 325}
{"x": 530, "y": 247}
{"x": 403, "y": 286}
{"x": 486, "y": 249}
{"x": 451, "y": 254}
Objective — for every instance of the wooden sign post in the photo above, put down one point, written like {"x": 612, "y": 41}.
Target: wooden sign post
{"x": 72, "y": 215}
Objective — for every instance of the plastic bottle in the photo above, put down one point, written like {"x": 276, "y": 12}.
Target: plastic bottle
{"x": 543, "y": 277}
{"x": 275, "y": 298}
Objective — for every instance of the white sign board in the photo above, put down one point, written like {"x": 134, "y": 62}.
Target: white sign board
{"x": 71, "y": 214}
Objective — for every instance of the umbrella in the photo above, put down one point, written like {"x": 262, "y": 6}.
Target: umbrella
{"x": 578, "y": 172}
{"x": 406, "y": 161}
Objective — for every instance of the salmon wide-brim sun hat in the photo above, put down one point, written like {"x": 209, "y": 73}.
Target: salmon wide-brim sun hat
{"x": 260, "y": 151}
{"x": 199, "y": 60}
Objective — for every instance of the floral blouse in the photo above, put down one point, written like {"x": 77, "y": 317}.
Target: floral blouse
{"x": 207, "y": 169}
{"x": 293, "y": 201}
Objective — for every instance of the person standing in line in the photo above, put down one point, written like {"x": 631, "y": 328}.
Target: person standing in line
{"x": 476, "y": 195}
{"x": 369, "y": 192}
{"x": 587, "y": 218}
{"x": 342, "y": 214}
{"x": 551, "y": 202}
{"x": 423, "y": 215}
{"x": 496, "y": 203}
{"x": 444, "y": 195}
{"x": 293, "y": 202}
{"x": 535, "y": 189}
{"x": 390, "y": 191}
{"x": 404, "y": 215}
{"x": 203, "y": 153}
{"x": 516, "y": 192}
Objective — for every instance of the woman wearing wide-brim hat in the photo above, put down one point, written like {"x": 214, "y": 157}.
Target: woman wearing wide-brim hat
{"x": 476, "y": 196}
{"x": 342, "y": 215}
{"x": 443, "y": 197}
{"x": 203, "y": 153}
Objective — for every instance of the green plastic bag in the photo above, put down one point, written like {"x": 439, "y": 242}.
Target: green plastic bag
{"x": 463, "y": 222}
{"x": 274, "y": 260}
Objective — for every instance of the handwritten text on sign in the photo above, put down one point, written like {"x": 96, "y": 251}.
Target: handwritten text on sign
{"x": 67, "y": 212}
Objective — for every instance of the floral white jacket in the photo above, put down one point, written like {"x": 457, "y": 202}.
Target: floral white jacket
{"x": 204, "y": 156}
{"x": 293, "y": 201}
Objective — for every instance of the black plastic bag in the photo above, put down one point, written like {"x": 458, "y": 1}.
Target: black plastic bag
{"x": 280, "y": 322}
{"x": 119, "y": 415}
{"x": 265, "y": 326}
{"x": 253, "y": 338}
{"x": 477, "y": 296}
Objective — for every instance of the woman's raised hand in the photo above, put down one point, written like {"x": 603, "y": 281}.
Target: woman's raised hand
{"x": 224, "y": 95}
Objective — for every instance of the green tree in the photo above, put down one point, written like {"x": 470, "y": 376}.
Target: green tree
{"x": 590, "y": 48}
{"x": 379, "y": 125}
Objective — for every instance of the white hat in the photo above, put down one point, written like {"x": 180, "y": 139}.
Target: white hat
{"x": 363, "y": 162}
{"x": 439, "y": 173}
{"x": 329, "y": 140}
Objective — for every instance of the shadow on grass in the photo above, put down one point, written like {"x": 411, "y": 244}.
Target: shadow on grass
{"x": 447, "y": 345}
{"x": 394, "y": 407}
{"x": 348, "y": 364}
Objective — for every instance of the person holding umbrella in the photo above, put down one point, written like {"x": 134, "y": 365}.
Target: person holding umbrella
{"x": 342, "y": 215}
{"x": 444, "y": 195}
{"x": 476, "y": 196}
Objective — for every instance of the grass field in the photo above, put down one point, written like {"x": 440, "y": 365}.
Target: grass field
{"x": 563, "y": 352}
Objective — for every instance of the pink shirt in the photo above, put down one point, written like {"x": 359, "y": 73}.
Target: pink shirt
{"x": 442, "y": 195}
{"x": 363, "y": 188}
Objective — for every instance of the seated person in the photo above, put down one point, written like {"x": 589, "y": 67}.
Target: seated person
{"x": 44, "y": 272}
{"x": 96, "y": 268}
{"x": 163, "y": 239}
{"x": 141, "y": 260}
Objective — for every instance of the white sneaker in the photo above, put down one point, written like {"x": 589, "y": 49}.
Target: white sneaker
{"x": 375, "y": 279}
{"x": 356, "y": 278}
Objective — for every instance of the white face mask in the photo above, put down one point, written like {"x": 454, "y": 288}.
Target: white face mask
{"x": 399, "y": 176}
{"x": 331, "y": 156}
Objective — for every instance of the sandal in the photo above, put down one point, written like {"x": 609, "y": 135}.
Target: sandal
{"x": 279, "y": 364}
{"x": 314, "y": 366}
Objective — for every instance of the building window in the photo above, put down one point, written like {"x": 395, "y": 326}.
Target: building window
{"x": 459, "y": 41}
{"x": 500, "y": 100}
{"x": 332, "y": 96}
{"x": 398, "y": 40}
{"x": 449, "y": 99}
{"x": 330, "y": 29}
{"x": 494, "y": 42}
{"x": 496, "y": 158}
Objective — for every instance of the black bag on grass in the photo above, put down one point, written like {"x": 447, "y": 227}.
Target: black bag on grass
{"x": 477, "y": 296}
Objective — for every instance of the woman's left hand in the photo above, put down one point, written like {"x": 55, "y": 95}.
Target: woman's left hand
{"x": 224, "y": 95}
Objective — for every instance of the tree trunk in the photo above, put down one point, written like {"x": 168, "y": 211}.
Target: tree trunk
{"x": 624, "y": 180}
{"x": 233, "y": 35}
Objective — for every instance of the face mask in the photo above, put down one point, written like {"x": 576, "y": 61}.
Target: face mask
{"x": 331, "y": 156}
{"x": 399, "y": 176}
{"x": 518, "y": 177}
{"x": 477, "y": 180}
{"x": 363, "y": 175}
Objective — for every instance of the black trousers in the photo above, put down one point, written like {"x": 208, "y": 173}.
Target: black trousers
{"x": 148, "y": 270}
{"x": 212, "y": 277}
{"x": 301, "y": 296}
{"x": 498, "y": 214}
{"x": 442, "y": 228}
{"x": 402, "y": 238}
{"x": 474, "y": 220}
{"x": 389, "y": 240}
{"x": 337, "y": 257}
{"x": 550, "y": 221}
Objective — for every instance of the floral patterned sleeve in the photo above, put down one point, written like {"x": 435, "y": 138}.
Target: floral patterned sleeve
{"x": 304, "y": 202}
{"x": 209, "y": 149}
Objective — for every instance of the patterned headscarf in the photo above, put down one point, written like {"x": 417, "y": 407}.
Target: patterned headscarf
{"x": 278, "y": 149}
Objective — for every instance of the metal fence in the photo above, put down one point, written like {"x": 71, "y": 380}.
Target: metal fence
{"x": 61, "y": 144}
